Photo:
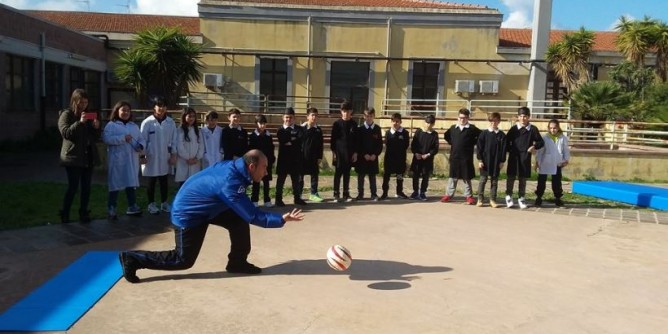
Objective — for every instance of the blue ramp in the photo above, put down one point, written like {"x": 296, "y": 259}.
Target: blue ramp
{"x": 635, "y": 194}
{"x": 60, "y": 302}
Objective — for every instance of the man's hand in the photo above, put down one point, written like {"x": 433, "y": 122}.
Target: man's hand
{"x": 294, "y": 215}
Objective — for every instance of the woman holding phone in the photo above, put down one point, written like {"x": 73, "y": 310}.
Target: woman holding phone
{"x": 78, "y": 153}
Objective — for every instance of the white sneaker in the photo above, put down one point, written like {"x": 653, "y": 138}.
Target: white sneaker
{"x": 153, "y": 209}
{"x": 256, "y": 204}
{"x": 522, "y": 203}
{"x": 268, "y": 204}
{"x": 165, "y": 207}
{"x": 509, "y": 201}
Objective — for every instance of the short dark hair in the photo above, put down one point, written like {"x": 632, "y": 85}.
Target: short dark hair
{"x": 396, "y": 116}
{"x": 211, "y": 114}
{"x": 431, "y": 119}
{"x": 369, "y": 111}
{"x": 524, "y": 111}
{"x": 260, "y": 119}
{"x": 158, "y": 100}
{"x": 289, "y": 111}
{"x": 493, "y": 115}
{"x": 465, "y": 112}
{"x": 346, "y": 105}
{"x": 234, "y": 111}
{"x": 311, "y": 110}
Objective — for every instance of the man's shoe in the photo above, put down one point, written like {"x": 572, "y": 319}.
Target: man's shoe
{"x": 165, "y": 207}
{"x": 64, "y": 218}
{"x": 111, "y": 213}
{"x": 538, "y": 202}
{"x": 374, "y": 198}
{"x": 268, "y": 204}
{"x": 480, "y": 202}
{"x": 347, "y": 198}
{"x": 337, "y": 199}
{"x": 383, "y": 196}
{"x": 493, "y": 204}
{"x": 509, "y": 201}
{"x": 522, "y": 203}
{"x": 470, "y": 200}
{"x": 558, "y": 202}
{"x": 415, "y": 196}
{"x": 402, "y": 195}
{"x": 446, "y": 198}
{"x": 129, "y": 270}
{"x": 300, "y": 201}
{"x": 133, "y": 210}
{"x": 279, "y": 203}
{"x": 423, "y": 197}
{"x": 315, "y": 198}
{"x": 153, "y": 209}
{"x": 359, "y": 198}
{"x": 243, "y": 268}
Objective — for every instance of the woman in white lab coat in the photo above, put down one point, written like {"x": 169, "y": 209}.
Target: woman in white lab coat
{"x": 159, "y": 133}
{"x": 211, "y": 133}
{"x": 190, "y": 147}
{"x": 124, "y": 145}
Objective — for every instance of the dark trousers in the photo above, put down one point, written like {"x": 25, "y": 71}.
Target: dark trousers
{"x": 314, "y": 183}
{"x": 372, "y": 184}
{"x": 386, "y": 183}
{"x": 280, "y": 182}
{"x": 345, "y": 173}
{"x": 255, "y": 194}
{"x": 77, "y": 176}
{"x": 150, "y": 190}
{"x": 494, "y": 184}
{"x": 422, "y": 186}
{"x": 130, "y": 194}
{"x": 189, "y": 242}
{"x": 522, "y": 186}
{"x": 556, "y": 184}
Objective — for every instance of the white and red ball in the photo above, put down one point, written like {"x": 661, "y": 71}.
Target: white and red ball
{"x": 339, "y": 258}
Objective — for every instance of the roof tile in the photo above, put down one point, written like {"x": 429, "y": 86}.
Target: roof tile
{"x": 521, "y": 38}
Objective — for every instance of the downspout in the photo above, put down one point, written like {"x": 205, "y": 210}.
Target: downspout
{"x": 308, "y": 65}
{"x": 42, "y": 77}
{"x": 387, "y": 61}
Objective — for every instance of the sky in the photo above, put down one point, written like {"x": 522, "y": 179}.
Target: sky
{"x": 597, "y": 15}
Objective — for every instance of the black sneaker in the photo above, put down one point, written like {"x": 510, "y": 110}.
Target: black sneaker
{"x": 279, "y": 203}
{"x": 129, "y": 270}
{"x": 558, "y": 202}
{"x": 383, "y": 196}
{"x": 243, "y": 268}
{"x": 415, "y": 196}
{"x": 402, "y": 196}
{"x": 84, "y": 217}
{"x": 374, "y": 198}
{"x": 300, "y": 201}
{"x": 538, "y": 202}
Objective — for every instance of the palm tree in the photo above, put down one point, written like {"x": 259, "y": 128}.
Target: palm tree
{"x": 163, "y": 61}
{"x": 601, "y": 100}
{"x": 569, "y": 58}
{"x": 638, "y": 38}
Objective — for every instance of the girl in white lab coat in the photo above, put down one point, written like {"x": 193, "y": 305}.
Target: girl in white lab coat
{"x": 124, "y": 145}
{"x": 159, "y": 133}
{"x": 190, "y": 147}
{"x": 211, "y": 133}
{"x": 550, "y": 160}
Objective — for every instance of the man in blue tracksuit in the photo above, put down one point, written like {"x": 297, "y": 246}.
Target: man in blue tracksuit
{"x": 216, "y": 195}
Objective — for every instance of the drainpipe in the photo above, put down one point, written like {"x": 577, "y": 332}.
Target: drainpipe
{"x": 308, "y": 65}
{"x": 387, "y": 61}
{"x": 42, "y": 77}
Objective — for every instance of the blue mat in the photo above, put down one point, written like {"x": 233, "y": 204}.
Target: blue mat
{"x": 635, "y": 194}
{"x": 60, "y": 302}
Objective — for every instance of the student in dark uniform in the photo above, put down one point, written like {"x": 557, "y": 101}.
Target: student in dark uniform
{"x": 343, "y": 151}
{"x": 262, "y": 140}
{"x": 289, "y": 157}
{"x": 462, "y": 138}
{"x": 424, "y": 148}
{"x": 312, "y": 149}
{"x": 521, "y": 140}
{"x": 394, "y": 162}
{"x": 491, "y": 154}
{"x": 234, "y": 139}
{"x": 369, "y": 142}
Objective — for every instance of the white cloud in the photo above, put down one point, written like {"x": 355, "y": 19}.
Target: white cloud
{"x": 163, "y": 7}
{"x": 520, "y": 13}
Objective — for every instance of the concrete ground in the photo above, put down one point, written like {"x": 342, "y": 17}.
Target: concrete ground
{"x": 418, "y": 268}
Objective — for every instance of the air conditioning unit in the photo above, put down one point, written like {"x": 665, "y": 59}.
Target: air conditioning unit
{"x": 213, "y": 80}
{"x": 464, "y": 86}
{"x": 489, "y": 86}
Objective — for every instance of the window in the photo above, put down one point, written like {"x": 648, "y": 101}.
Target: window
{"x": 20, "y": 83}
{"x": 349, "y": 80}
{"x": 274, "y": 83}
{"x": 425, "y": 85}
{"x": 90, "y": 82}
{"x": 54, "y": 87}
